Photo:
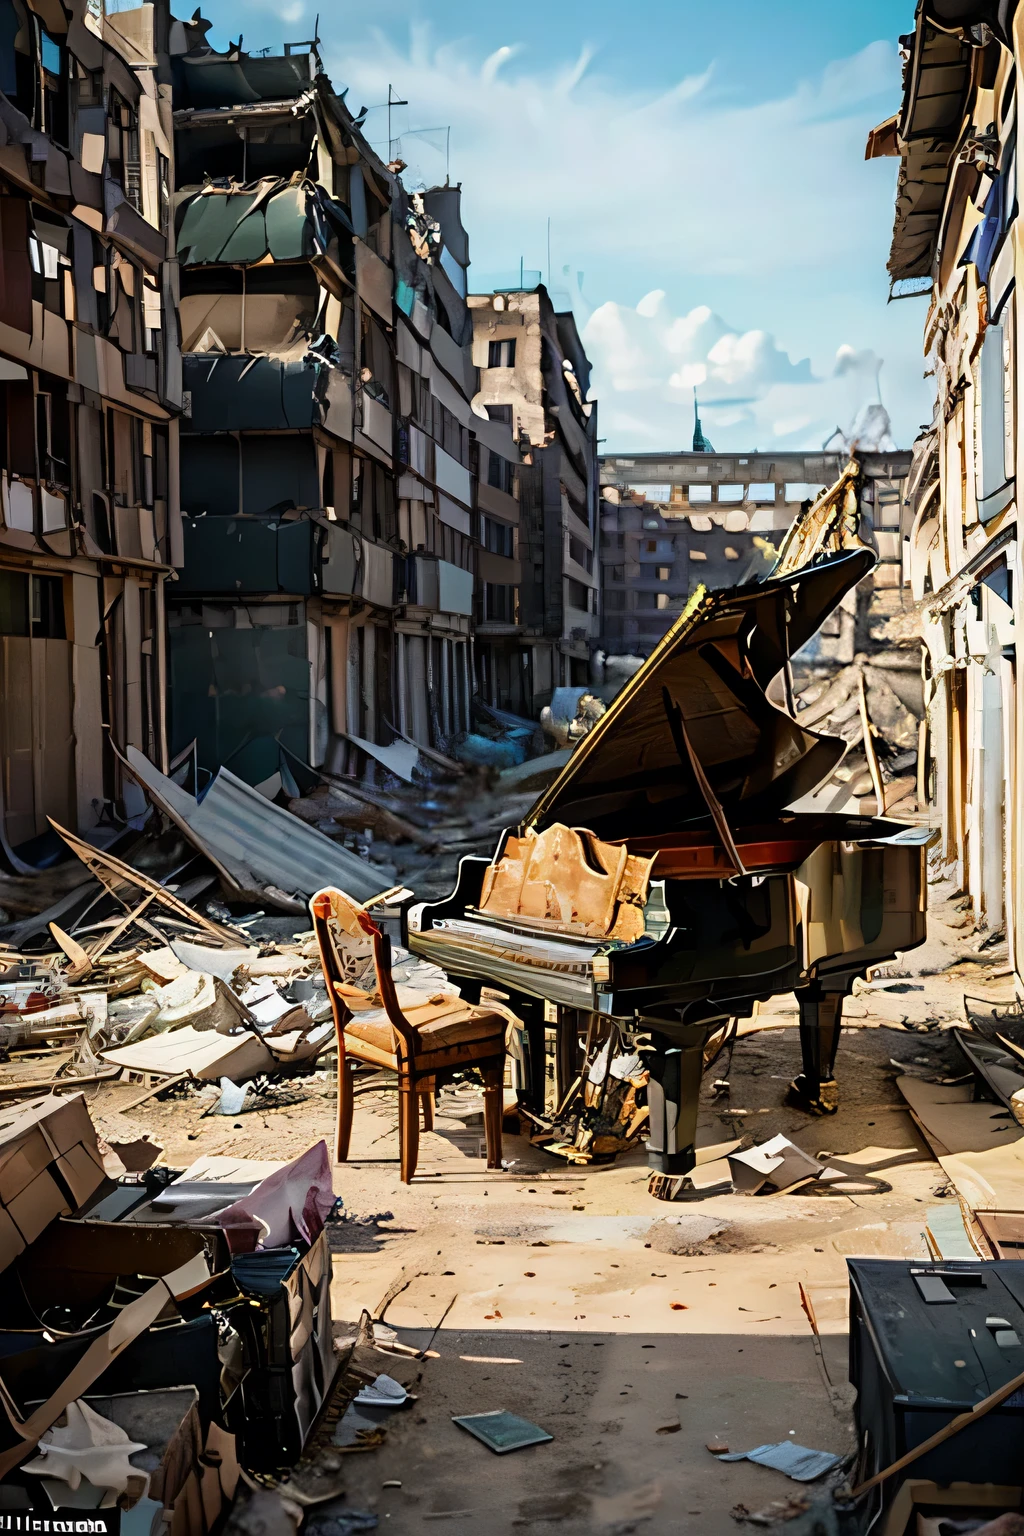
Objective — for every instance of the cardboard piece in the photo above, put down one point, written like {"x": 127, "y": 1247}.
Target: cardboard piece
{"x": 874, "y": 1159}
{"x": 777, "y": 1162}
{"x": 953, "y": 1122}
{"x": 992, "y": 1180}
{"x": 50, "y": 1165}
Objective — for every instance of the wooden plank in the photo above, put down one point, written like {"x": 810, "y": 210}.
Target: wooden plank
{"x": 166, "y": 1082}
{"x": 52, "y": 1084}
{"x": 111, "y": 873}
{"x": 81, "y": 964}
{"x": 122, "y": 927}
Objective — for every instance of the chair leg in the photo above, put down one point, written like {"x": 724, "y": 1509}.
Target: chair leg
{"x": 494, "y": 1080}
{"x": 408, "y": 1130}
{"x": 344, "y": 1126}
{"x": 427, "y": 1100}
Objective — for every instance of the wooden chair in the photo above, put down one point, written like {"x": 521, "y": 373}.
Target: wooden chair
{"x": 417, "y": 1034}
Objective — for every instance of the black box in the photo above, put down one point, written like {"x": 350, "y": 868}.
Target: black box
{"x": 924, "y": 1347}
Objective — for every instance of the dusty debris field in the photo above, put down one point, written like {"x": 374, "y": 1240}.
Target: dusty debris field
{"x": 633, "y": 1331}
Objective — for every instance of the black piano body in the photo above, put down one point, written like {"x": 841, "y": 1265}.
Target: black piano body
{"x": 748, "y": 895}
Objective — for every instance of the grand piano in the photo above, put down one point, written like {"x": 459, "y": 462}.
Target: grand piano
{"x": 671, "y": 877}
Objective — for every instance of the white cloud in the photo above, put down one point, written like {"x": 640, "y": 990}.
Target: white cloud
{"x": 647, "y": 363}
{"x": 714, "y": 202}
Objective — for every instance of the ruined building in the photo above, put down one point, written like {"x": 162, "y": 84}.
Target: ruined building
{"x": 671, "y": 522}
{"x": 276, "y": 493}
{"x": 954, "y": 242}
{"x": 90, "y": 385}
{"x": 534, "y": 380}
{"x": 326, "y": 595}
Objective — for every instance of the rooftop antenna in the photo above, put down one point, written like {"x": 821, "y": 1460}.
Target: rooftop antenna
{"x": 393, "y": 101}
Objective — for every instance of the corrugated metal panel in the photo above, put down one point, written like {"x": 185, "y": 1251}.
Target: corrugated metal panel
{"x": 255, "y": 841}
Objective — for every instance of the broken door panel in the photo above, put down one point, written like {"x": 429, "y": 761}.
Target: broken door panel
{"x": 237, "y": 394}
{"x": 279, "y": 473}
{"x": 242, "y": 693}
{"x": 36, "y": 738}
{"x": 210, "y": 475}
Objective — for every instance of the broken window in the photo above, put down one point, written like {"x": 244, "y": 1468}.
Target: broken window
{"x": 378, "y": 363}
{"x": 579, "y": 552}
{"x": 250, "y": 151}
{"x": 578, "y": 595}
{"x": 16, "y": 72}
{"x": 32, "y": 606}
{"x": 19, "y": 437}
{"x": 53, "y": 428}
{"x": 500, "y": 603}
{"x": 257, "y": 310}
{"x": 16, "y": 269}
{"x": 501, "y": 354}
{"x": 123, "y": 157}
{"x": 498, "y": 537}
{"x": 500, "y": 472}
{"x": 500, "y": 413}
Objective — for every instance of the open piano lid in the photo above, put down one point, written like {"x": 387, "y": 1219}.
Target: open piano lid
{"x": 701, "y": 693}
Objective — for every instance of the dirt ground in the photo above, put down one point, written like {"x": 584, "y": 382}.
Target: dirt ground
{"x": 550, "y": 1291}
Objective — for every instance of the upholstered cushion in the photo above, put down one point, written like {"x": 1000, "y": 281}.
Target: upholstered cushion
{"x": 440, "y": 1022}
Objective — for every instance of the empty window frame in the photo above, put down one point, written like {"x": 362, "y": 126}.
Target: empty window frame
{"x": 498, "y": 537}
{"x": 500, "y": 473}
{"x": 501, "y": 354}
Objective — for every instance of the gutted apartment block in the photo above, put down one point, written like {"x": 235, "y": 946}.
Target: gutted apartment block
{"x": 90, "y": 383}
{"x": 534, "y": 381}
{"x": 325, "y": 601}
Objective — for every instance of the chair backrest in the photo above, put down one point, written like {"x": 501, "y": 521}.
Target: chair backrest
{"x": 348, "y": 937}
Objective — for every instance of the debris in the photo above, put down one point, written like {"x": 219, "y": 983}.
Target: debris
{"x": 952, "y": 1121}
{"x": 87, "y": 1446}
{"x": 501, "y": 1431}
{"x": 383, "y": 1392}
{"x": 259, "y": 849}
{"x": 718, "y": 1447}
{"x": 796, "y": 1461}
{"x": 118, "y": 878}
{"x": 671, "y": 1427}
{"x": 48, "y": 1152}
{"x": 683, "y": 1234}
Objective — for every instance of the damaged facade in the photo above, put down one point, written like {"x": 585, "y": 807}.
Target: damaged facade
{"x": 326, "y": 596}
{"x": 255, "y": 511}
{"x": 540, "y": 593}
{"x": 955, "y": 241}
{"x": 90, "y": 384}
{"x": 673, "y": 522}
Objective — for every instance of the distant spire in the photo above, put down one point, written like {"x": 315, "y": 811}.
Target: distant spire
{"x": 700, "y": 442}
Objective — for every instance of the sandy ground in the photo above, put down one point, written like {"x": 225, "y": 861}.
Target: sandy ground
{"x": 536, "y": 1291}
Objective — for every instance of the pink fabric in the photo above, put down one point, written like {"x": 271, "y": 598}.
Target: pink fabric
{"x": 291, "y": 1205}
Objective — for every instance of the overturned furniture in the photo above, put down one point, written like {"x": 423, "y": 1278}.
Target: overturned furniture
{"x": 700, "y": 884}
{"x": 421, "y": 1036}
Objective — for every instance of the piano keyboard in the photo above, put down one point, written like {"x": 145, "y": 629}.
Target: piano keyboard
{"x": 563, "y": 966}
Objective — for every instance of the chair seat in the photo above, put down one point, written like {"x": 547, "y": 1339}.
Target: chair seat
{"x": 440, "y": 1021}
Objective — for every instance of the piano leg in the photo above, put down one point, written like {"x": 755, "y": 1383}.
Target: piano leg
{"x": 675, "y": 1063}
{"x": 821, "y": 1019}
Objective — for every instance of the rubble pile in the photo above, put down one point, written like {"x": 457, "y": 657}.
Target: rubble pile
{"x": 867, "y": 705}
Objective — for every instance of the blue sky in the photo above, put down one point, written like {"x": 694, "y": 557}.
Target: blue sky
{"x": 702, "y": 167}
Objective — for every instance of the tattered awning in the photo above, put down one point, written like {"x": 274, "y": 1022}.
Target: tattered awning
{"x": 927, "y": 127}
{"x": 274, "y": 220}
